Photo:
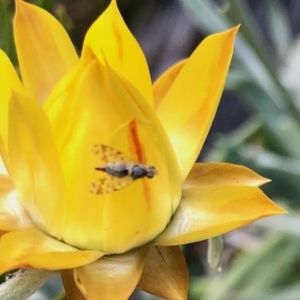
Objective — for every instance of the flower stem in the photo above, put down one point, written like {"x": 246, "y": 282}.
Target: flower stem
{"x": 24, "y": 283}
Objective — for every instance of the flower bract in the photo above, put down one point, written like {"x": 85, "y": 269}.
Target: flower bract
{"x": 109, "y": 234}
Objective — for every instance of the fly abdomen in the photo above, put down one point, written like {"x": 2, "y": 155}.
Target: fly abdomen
{"x": 116, "y": 170}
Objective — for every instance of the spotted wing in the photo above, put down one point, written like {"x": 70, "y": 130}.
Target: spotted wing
{"x": 107, "y": 183}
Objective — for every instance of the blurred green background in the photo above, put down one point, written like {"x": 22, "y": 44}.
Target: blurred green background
{"x": 257, "y": 124}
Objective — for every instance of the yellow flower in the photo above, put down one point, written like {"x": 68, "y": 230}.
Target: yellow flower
{"x": 111, "y": 242}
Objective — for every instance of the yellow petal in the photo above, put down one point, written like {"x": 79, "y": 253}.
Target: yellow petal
{"x": 45, "y": 51}
{"x": 222, "y": 174}
{"x": 110, "y": 115}
{"x": 208, "y": 211}
{"x": 98, "y": 92}
{"x": 71, "y": 289}
{"x": 9, "y": 220}
{"x": 188, "y": 109}
{"x": 165, "y": 273}
{"x": 12, "y": 213}
{"x": 35, "y": 167}
{"x": 111, "y": 277}
{"x": 162, "y": 85}
{"x": 6, "y": 185}
{"x": 3, "y": 170}
{"x": 9, "y": 81}
{"x": 111, "y": 41}
{"x": 31, "y": 248}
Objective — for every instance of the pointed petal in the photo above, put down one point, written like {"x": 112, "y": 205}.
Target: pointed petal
{"x": 72, "y": 291}
{"x": 222, "y": 174}
{"x": 35, "y": 167}
{"x": 9, "y": 81}
{"x": 128, "y": 124}
{"x": 165, "y": 273}
{"x": 45, "y": 51}
{"x": 189, "y": 107}
{"x": 111, "y": 41}
{"x": 111, "y": 277}
{"x": 31, "y": 248}
{"x": 162, "y": 85}
{"x": 208, "y": 211}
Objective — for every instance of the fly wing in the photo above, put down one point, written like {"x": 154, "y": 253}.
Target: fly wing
{"x": 108, "y": 154}
{"x": 107, "y": 183}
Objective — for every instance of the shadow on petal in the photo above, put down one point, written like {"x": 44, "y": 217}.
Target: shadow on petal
{"x": 162, "y": 85}
{"x": 111, "y": 277}
{"x": 9, "y": 82}
{"x": 70, "y": 286}
{"x": 165, "y": 273}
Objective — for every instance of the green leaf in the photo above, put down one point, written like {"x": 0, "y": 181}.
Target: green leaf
{"x": 6, "y": 35}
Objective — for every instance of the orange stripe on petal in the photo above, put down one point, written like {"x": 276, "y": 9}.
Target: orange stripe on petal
{"x": 128, "y": 124}
{"x": 35, "y": 166}
{"x": 188, "y": 109}
{"x": 111, "y": 41}
{"x": 208, "y": 211}
{"x": 162, "y": 85}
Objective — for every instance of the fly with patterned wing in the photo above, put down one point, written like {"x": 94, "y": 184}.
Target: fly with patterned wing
{"x": 119, "y": 170}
